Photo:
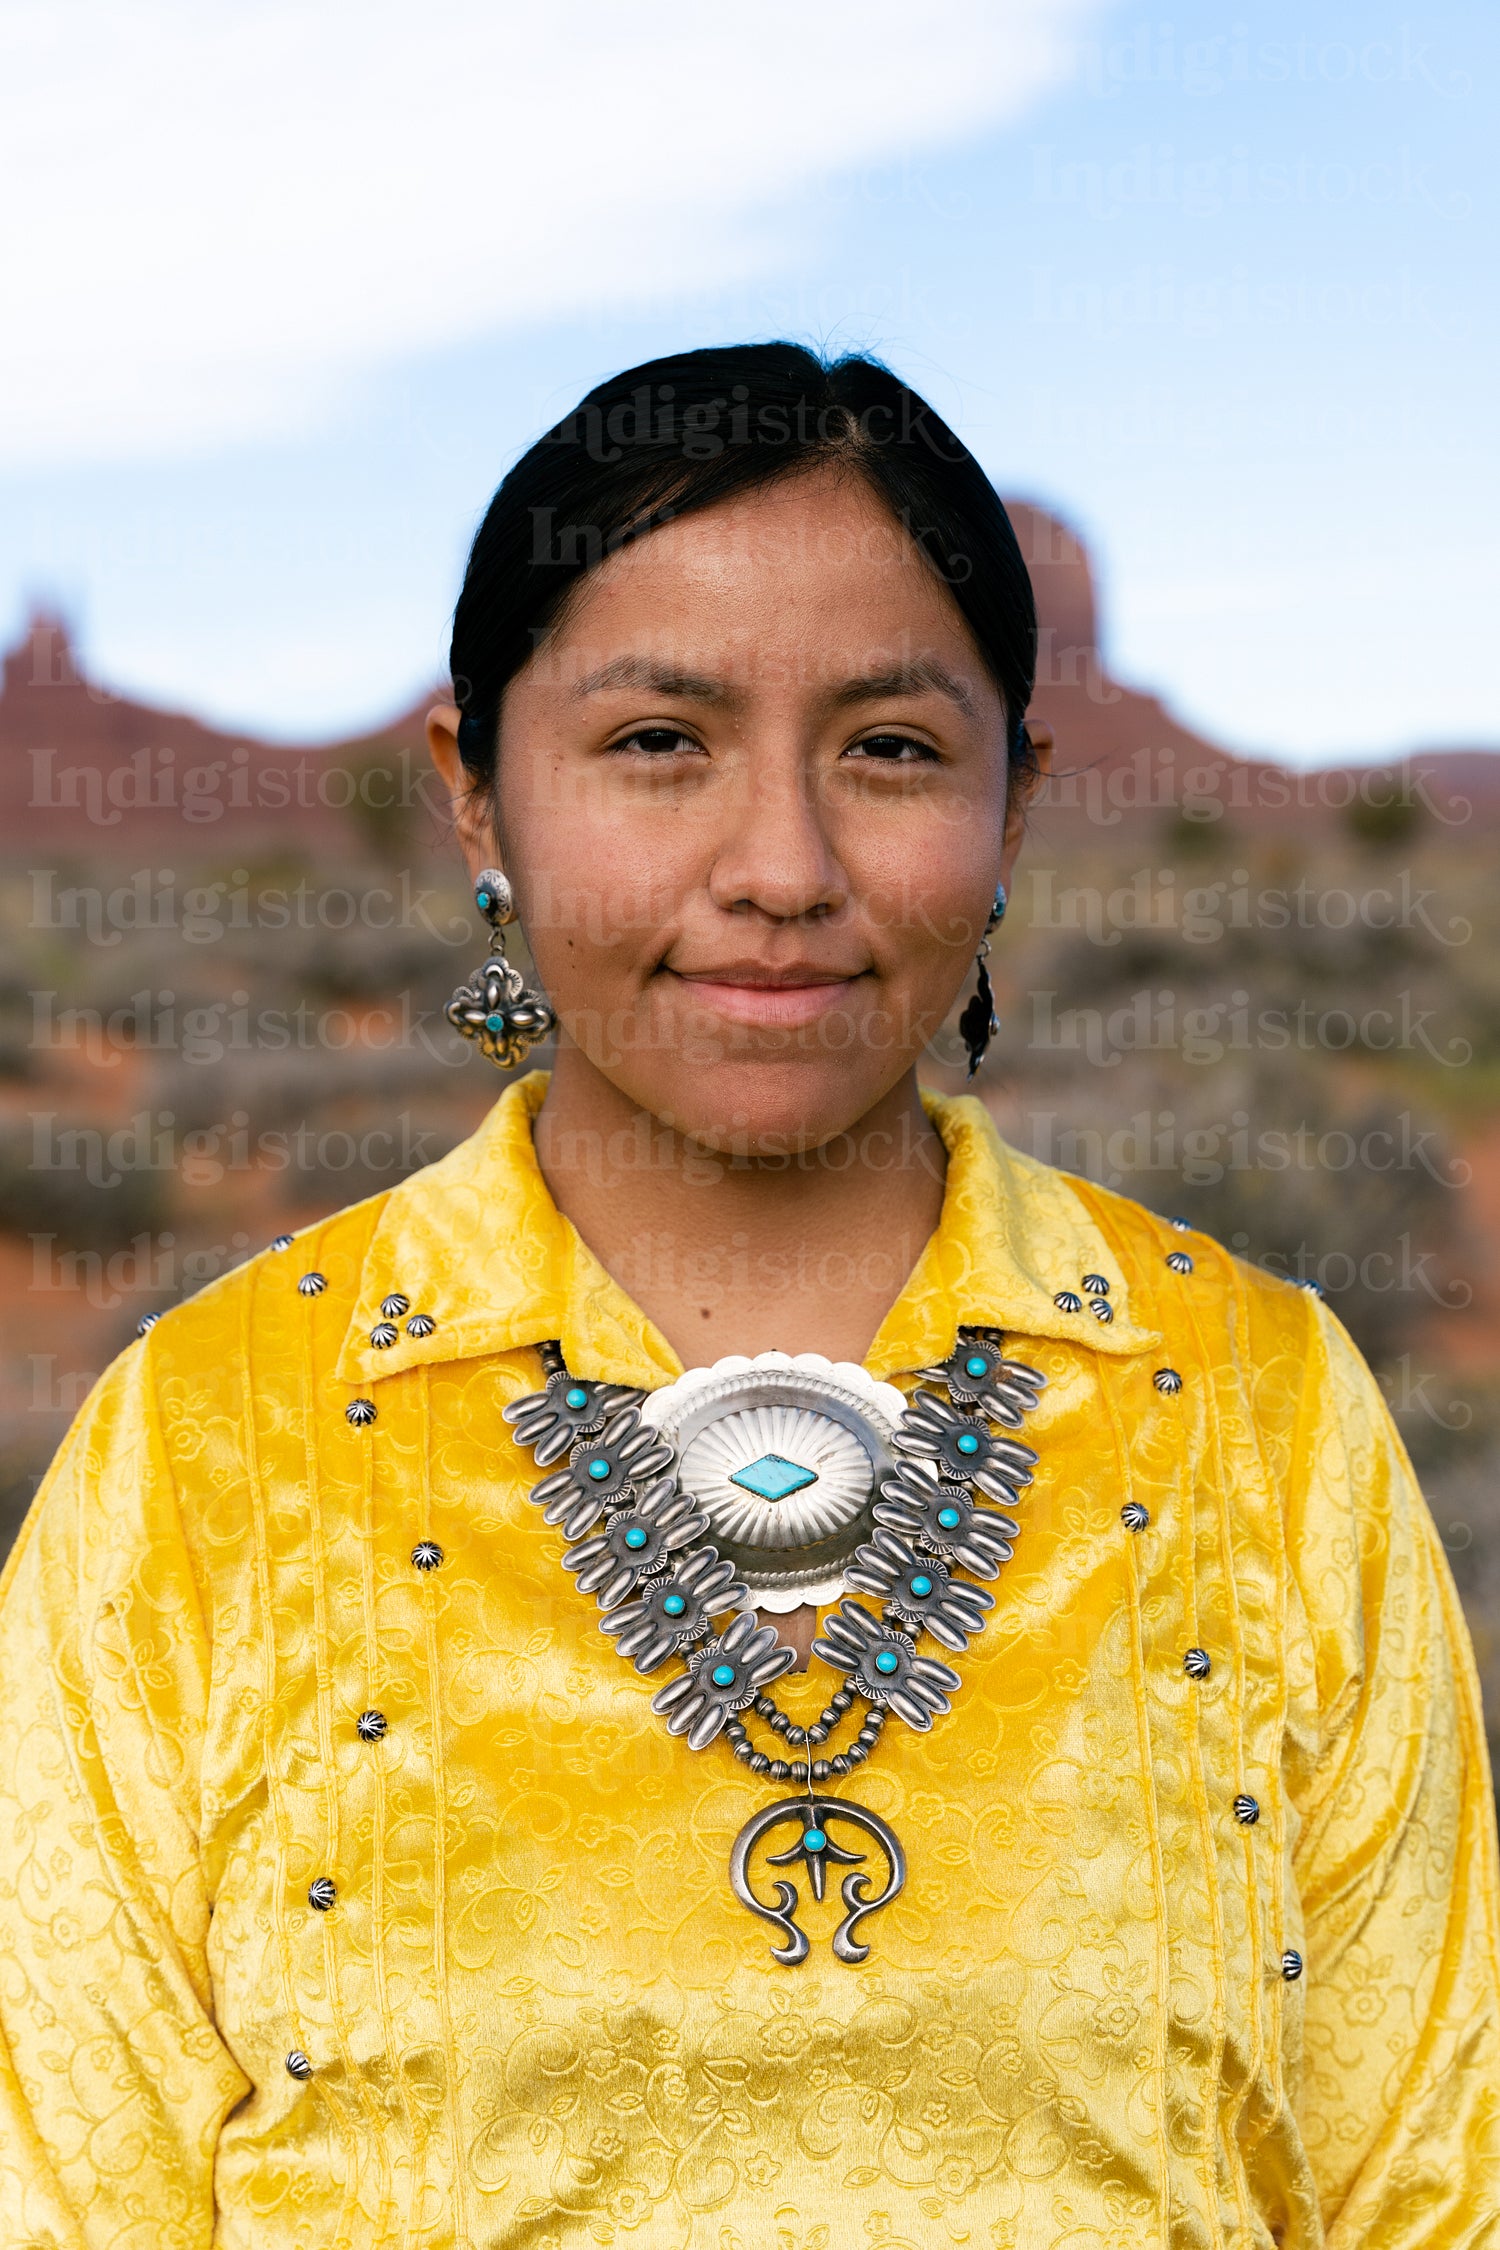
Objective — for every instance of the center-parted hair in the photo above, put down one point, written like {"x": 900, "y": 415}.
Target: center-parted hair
{"x": 674, "y": 436}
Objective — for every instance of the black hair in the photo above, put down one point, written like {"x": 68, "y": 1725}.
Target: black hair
{"x": 676, "y": 435}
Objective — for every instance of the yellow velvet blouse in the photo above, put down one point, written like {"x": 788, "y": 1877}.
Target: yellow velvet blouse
{"x": 534, "y": 2013}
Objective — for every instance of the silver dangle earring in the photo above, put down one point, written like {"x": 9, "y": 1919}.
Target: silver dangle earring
{"x": 979, "y": 1023}
{"x": 496, "y": 1006}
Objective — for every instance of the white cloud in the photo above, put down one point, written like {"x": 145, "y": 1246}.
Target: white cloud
{"x": 219, "y": 215}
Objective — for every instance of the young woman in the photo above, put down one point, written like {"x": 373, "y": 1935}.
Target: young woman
{"x": 987, "y": 1755}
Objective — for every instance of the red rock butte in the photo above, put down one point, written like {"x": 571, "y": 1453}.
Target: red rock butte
{"x": 84, "y": 769}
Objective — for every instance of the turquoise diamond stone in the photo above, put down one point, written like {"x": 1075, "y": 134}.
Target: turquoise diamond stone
{"x": 494, "y": 1023}
{"x": 921, "y": 1588}
{"x": 976, "y": 1365}
{"x": 635, "y": 1537}
{"x": 674, "y": 1605}
{"x": 598, "y": 1470}
{"x": 968, "y": 1443}
{"x": 772, "y": 1477}
{"x": 886, "y": 1660}
{"x": 813, "y": 1839}
{"x": 577, "y": 1397}
{"x": 723, "y": 1675}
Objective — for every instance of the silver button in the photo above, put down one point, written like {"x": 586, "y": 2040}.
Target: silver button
{"x": 1179, "y": 1261}
{"x": 1095, "y": 1285}
{"x": 1167, "y": 1381}
{"x": 1067, "y": 1300}
{"x": 360, "y": 1412}
{"x": 322, "y": 1894}
{"x": 298, "y": 2065}
{"x": 371, "y": 1726}
{"x": 420, "y": 1324}
{"x": 1134, "y": 1516}
{"x": 395, "y": 1305}
{"x": 1196, "y": 1664}
{"x": 426, "y": 1555}
{"x": 1291, "y": 1964}
{"x": 282, "y": 1242}
{"x": 1246, "y": 1811}
{"x": 312, "y": 1285}
{"x": 384, "y": 1334}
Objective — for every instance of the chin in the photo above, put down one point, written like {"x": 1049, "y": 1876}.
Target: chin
{"x": 766, "y": 1113}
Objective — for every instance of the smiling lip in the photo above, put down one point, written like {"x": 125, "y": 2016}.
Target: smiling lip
{"x": 776, "y": 998}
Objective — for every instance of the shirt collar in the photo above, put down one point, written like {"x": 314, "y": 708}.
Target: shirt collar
{"x": 477, "y": 1244}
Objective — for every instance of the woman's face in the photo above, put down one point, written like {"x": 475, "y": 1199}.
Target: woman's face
{"x": 752, "y": 800}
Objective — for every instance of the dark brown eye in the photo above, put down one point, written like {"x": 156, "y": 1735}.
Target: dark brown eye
{"x": 657, "y": 742}
{"x": 893, "y": 750}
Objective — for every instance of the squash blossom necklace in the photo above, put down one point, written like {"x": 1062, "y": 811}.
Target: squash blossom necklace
{"x": 763, "y": 1484}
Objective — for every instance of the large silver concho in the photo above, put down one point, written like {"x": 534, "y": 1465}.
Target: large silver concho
{"x": 784, "y": 1456}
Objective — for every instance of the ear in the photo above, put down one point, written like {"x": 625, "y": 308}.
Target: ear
{"x": 1039, "y": 738}
{"x": 468, "y": 799}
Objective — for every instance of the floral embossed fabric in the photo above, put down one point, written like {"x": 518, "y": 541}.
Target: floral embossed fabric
{"x": 532, "y": 2012}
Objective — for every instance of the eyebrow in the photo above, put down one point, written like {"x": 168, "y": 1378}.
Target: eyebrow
{"x": 921, "y": 675}
{"x": 661, "y": 679}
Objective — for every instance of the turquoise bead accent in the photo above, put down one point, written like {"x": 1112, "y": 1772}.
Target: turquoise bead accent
{"x": 598, "y": 1470}
{"x": 976, "y": 1365}
{"x": 723, "y": 1675}
{"x": 813, "y": 1839}
{"x": 635, "y": 1537}
{"x": 949, "y": 1518}
{"x": 494, "y": 1023}
{"x": 577, "y": 1397}
{"x": 921, "y": 1587}
{"x": 674, "y": 1605}
{"x": 772, "y": 1477}
{"x": 968, "y": 1442}
{"x": 484, "y": 901}
{"x": 886, "y": 1660}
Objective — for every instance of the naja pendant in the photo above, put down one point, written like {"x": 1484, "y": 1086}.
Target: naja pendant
{"x": 814, "y": 1818}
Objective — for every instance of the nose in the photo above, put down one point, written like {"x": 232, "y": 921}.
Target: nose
{"x": 776, "y": 857}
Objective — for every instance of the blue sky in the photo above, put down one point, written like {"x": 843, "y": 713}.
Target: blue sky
{"x": 296, "y": 283}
